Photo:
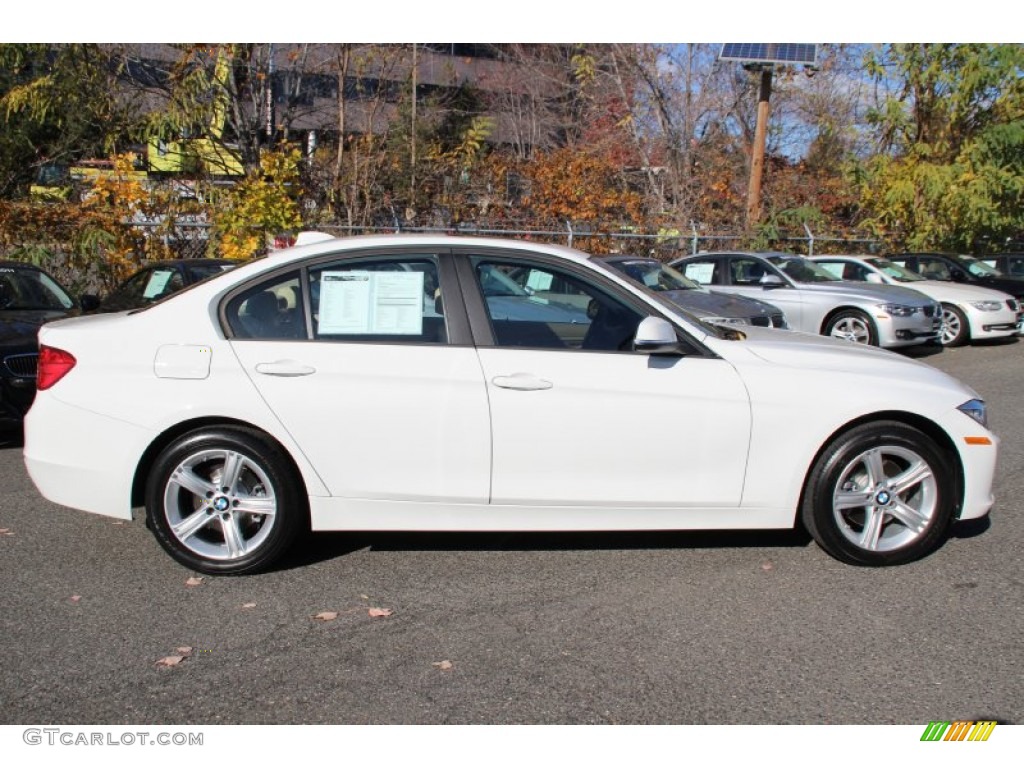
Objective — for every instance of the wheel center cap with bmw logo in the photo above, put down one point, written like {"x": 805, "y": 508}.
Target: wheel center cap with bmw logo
{"x": 883, "y": 498}
{"x": 221, "y": 504}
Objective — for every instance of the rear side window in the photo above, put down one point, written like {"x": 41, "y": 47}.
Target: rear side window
{"x": 270, "y": 310}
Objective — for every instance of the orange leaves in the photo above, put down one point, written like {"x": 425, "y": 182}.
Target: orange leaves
{"x": 580, "y": 186}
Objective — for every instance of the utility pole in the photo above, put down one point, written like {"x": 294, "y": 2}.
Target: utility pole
{"x": 412, "y": 137}
{"x": 757, "y": 154}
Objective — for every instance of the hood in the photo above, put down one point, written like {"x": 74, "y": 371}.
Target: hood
{"x": 944, "y": 291}
{"x": 805, "y": 351}
{"x": 882, "y": 294}
{"x": 712, "y": 304}
{"x": 1011, "y": 285}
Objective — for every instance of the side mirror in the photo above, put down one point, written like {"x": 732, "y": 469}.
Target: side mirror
{"x": 656, "y": 336}
{"x": 89, "y": 302}
{"x": 772, "y": 281}
{"x": 958, "y": 276}
{"x": 874, "y": 277}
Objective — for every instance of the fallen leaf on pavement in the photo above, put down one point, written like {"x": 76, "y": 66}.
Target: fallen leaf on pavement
{"x": 193, "y": 581}
{"x": 326, "y": 616}
{"x": 170, "y": 661}
{"x": 365, "y": 597}
{"x": 248, "y": 605}
{"x": 75, "y": 598}
{"x": 767, "y": 566}
{"x": 378, "y": 612}
{"x": 444, "y": 665}
{"x": 184, "y": 650}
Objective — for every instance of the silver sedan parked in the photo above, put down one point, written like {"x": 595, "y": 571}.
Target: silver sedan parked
{"x": 816, "y": 301}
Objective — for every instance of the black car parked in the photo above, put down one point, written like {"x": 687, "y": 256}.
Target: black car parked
{"x": 29, "y": 297}
{"x": 159, "y": 279}
{"x": 1010, "y": 264}
{"x": 961, "y": 269}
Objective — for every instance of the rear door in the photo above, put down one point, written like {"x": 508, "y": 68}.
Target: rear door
{"x": 377, "y": 380}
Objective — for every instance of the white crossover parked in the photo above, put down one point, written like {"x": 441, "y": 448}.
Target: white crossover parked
{"x": 396, "y": 383}
{"x": 969, "y": 312}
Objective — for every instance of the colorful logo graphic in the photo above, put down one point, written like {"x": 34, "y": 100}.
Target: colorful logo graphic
{"x": 958, "y": 730}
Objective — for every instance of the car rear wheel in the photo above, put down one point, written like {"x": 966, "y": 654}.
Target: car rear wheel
{"x": 852, "y": 325}
{"x": 955, "y": 330}
{"x": 880, "y": 494}
{"x": 224, "y": 501}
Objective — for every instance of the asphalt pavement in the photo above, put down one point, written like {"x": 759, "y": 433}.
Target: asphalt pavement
{"x": 522, "y": 628}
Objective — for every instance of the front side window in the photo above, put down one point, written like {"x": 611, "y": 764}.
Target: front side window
{"x": 547, "y": 308}
{"x": 802, "y": 270}
{"x": 895, "y": 271}
{"x": 745, "y": 271}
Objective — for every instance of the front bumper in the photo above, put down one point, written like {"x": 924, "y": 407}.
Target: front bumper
{"x": 906, "y": 331}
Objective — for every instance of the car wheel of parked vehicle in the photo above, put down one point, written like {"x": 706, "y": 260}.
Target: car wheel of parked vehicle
{"x": 224, "y": 501}
{"x": 852, "y": 325}
{"x": 879, "y": 494}
{"x": 955, "y": 330}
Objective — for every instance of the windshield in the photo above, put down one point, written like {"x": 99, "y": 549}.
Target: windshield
{"x": 801, "y": 270}
{"x": 979, "y": 268}
{"x": 24, "y": 288}
{"x": 895, "y": 271}
{"x": 654, "y": 275}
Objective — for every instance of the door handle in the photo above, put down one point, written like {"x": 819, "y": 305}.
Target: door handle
{"x": 284, "y": 368}
{"x": 522, "y": 381}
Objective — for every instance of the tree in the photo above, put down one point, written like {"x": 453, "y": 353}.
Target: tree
{"x": 950, "y": 133}
{"x": 59, "y": 104}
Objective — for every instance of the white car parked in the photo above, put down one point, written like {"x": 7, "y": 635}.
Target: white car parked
{"x": 816, "y": 301}
{"x": 969, "y": 312}
{"x": 395, "y": 383}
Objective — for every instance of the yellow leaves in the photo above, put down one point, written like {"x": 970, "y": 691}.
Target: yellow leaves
{"x": 261, "y": 204}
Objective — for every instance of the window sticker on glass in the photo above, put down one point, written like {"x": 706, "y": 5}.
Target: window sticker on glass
{"x": 539, "y": 281}
{"x": 700, "y": 273}
{"x": 157, "y": 282}
{"x": 362, "y": 302}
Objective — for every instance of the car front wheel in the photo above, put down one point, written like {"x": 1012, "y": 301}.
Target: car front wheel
{"x": 955, "y": 330}
{"x": 880, "y": 494}
{"x": 852, "y": 325}
{"x": 224, "y": 501}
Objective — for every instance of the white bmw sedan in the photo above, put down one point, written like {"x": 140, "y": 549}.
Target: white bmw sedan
{"x": 969, "y": 312}
{"x": 411, "y": 383}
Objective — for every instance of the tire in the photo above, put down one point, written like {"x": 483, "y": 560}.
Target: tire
{"x": 852, "y": 325}
{"x": 880, "y": 494}
{"x": 219, "y": 526}
{"x": 955, "y": 330}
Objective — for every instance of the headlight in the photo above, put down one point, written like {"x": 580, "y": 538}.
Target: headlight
{"x": 987, "y": 306}
{"x": 976, "y": 410}
{"x": 897, "y": 310}
{"x": 727, "y": 320}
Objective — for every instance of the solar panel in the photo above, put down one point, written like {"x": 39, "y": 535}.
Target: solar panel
{"x": 771, "y": 53}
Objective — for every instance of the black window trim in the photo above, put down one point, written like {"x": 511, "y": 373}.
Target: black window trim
{"x": 480, "y": 320}
{"x": 456, "y": 319}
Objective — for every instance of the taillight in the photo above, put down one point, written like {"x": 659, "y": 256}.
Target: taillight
{"x": 53, "y": 366}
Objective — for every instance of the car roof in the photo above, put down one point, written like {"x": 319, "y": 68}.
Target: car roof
{"x": 187, "y": 262}
{"x": 357, "y": 242}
